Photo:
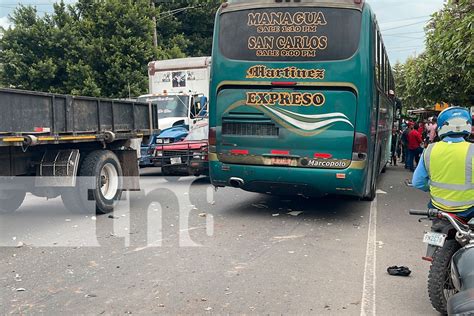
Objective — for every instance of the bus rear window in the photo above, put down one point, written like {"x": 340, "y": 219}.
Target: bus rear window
{"x": 290, "y": 34}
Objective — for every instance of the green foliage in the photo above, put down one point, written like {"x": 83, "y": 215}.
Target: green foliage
{"x": 96, "y": 48}
{"x": 445, "y": 72}
{"x": 101, "y": 48}
{"x": 192, "y": 19}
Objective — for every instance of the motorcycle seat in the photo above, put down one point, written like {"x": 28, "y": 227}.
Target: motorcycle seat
{"x": 462, "y": 303}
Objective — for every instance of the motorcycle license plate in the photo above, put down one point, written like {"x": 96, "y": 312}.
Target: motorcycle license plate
{"x": 176, "y": 160}
{"x": 434, "y": 239}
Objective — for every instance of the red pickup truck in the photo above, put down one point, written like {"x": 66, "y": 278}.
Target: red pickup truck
{"x": 188, "y": 157}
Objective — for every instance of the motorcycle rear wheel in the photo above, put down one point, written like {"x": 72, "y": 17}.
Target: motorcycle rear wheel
{"x": 440, "y": 284}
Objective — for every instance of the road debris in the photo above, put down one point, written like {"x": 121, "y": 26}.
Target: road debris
{"x": 20, "y": 244}
{"x": 399, "y": 271}
{"x": 20, "y": 289}
{"x": 276, "y": 215}
{"x": 295, "y": 213}
{"x": 380, "y": 192}
{"x": 203, "y": 215}
{"x": 288, "y": 237}
{"x": 208, "y": 309}
{"x": 261, "y": 206}
{"x": 90, "y": 295}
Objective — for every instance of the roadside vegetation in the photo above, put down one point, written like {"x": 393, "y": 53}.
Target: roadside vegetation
{"x": 100, "y": 48}
{"x": 445, "y": 71}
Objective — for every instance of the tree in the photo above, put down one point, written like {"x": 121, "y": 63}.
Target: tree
{"x": 193, "y": 21}
{"x": 445, "y": 71}
{"x": 97, "y": 48}
{"x": 450, "y": 53}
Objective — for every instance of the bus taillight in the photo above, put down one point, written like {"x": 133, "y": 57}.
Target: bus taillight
{"x": 212, "y": 136}
{"x": 322, "y": 156}
{"x": 360, "y": 147}
{"x": 280, "y": 152}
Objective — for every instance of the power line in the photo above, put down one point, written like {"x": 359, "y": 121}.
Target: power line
{"x": 406, "y": 25}
{"x": 402, "y": 36}
{"x": 405, "y": 33}
{"x": 407, "y": 19}
{"x": 406, "y": 49}
{"x": 176, "y": 11}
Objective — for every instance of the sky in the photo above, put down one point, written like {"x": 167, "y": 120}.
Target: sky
{"x": 401, "y": 22}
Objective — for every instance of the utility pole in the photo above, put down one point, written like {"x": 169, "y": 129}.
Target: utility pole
{"x": 155, "y": 33}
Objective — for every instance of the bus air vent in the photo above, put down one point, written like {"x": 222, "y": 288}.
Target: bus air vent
{"x": 249, "y": 129}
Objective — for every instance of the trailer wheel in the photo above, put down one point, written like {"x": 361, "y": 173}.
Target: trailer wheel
{"x": 105, "y": 170}
{"x": 11, "y": 200}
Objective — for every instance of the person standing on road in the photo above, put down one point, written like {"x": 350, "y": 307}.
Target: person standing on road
{"x": 414, "y": 146}
{"x": 432, "y": 128}
{"x": 394, "y": 148}
{"x": 404, "y": 141}
{"x": 446, "y": 167}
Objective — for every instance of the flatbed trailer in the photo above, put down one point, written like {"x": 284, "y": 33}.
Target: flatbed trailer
{"x": 83, "y": 149}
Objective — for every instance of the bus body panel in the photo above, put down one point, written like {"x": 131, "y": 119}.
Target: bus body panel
{"x": 307, "y": 131}
{"x": 349, "y": 82}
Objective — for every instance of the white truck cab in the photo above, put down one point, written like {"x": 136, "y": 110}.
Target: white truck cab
{"x": 180, "y": 88}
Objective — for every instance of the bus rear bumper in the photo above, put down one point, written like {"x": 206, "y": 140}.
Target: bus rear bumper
{"x": 291, "y": 181}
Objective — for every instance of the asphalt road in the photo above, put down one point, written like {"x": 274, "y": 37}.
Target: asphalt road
{"x": 198, "y": 251}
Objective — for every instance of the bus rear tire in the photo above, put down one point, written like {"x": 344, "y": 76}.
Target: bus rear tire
{"x": 372, "y": 193}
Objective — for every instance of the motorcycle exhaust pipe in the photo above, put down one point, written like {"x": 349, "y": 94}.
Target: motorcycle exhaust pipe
{"x": 236, "y": 182}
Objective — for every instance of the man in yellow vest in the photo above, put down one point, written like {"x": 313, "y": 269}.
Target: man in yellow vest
{"x": 446, "y": 168}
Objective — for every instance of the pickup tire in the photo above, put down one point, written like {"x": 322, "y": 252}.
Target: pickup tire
{"x": 169, "y": 175}
{"x": 11, "y": 200}
{"x": 99, "y": 182}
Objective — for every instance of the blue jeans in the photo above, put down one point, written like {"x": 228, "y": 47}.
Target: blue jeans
{"x": 412, "y": 154}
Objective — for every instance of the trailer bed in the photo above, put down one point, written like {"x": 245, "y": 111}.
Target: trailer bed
{"x": 54, "y": 118}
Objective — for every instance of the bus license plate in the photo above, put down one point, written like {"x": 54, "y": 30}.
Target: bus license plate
{"x": 278, "y": 161}
{"x": 176, "y": 160}
{"x": 434, "y": 239}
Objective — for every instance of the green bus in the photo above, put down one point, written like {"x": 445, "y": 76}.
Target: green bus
{"x": 301, "y": 99}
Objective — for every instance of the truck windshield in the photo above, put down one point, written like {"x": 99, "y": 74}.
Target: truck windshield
{"x": 169, "y": 106}
{"x": 199, "y": 133}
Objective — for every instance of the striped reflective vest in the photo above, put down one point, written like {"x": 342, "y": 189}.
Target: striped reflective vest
{"x": 449, "y": 167}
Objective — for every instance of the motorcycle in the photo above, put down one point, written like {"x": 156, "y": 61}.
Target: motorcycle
{"x": 451, "y": 253}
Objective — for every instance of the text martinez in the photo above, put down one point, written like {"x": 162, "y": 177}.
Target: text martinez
{"x": 284, "y": 73}
{"x": 285, "y": 99}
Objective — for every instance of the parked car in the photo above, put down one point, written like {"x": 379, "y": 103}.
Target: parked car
{"x": 168, "y": 136}
{"x": 189, "y": 157}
